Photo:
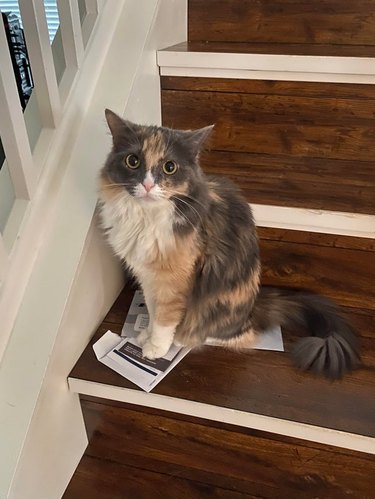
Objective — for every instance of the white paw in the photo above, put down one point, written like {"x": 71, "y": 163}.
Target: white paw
{"x": 143, "y": 337}
{"x": 151, "y": 351}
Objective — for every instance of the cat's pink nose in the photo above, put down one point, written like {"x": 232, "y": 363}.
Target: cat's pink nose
{"x": 148, "y": 184}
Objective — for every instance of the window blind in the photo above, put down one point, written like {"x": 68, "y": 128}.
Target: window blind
{"x": 51, "y": 13}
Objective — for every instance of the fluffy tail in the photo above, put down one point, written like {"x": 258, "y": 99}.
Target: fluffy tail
{"x": 330, "y": 349}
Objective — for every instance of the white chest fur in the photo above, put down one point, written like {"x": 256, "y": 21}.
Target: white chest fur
{"x": 136, "y": 230}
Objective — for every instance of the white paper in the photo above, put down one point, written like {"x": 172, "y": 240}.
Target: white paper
{"x": 269, "y": 340}
{"x": 137, "y": 320}
{"x": 123, "y": 355}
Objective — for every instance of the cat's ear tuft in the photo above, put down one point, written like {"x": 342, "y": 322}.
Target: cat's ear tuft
{"x": 119, "y": 128}
{"x": 115, "y": 123}
{"x": 201, "y": 135}
{"x": 198, "y": 138}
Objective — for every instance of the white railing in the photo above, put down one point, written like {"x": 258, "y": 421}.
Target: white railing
{"x": 26, "y": 154}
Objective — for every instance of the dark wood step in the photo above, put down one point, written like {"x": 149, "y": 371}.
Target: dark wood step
{"x": 298, "y": 144}
{"x": 333, "y": 22}
{"x": 264, "y": 382}
{"x": 260, "y": 382}
{"x": 136, "y": 452}
{"x": 97, "y": 478}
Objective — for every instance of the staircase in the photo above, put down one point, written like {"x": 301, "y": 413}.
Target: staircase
{"x": 290, "y": 87}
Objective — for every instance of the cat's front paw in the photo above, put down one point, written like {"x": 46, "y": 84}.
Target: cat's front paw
{"x": 143, "y": 336}
{"x": 151, "y": 351}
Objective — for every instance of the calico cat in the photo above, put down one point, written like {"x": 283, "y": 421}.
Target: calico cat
{"x": 191, "y": 242}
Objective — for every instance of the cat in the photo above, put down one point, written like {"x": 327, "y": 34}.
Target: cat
{"x": 191, "y": 242}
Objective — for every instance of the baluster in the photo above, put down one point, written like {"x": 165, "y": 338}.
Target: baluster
{"x": 41, "y": 59}
{"x": 12, "y": 127}
{"x": 92, "y": 6}
{"x": 71, "y": 32}
{"x": 92, "y": 10}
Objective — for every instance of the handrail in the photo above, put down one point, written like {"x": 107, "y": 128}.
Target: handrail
{"x": 41, "y": 60}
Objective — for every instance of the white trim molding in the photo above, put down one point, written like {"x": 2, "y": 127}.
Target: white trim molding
{"x": 177, "y": 61}
{"x": 305, "y": 219}
{"x": 260, "y": 422}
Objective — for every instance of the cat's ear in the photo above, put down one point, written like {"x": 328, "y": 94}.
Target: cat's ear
{"x": 197, "y": 138}
{"x": 119, "y": 128}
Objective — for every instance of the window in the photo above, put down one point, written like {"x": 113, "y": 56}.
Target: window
{"x": 51, "y": 13}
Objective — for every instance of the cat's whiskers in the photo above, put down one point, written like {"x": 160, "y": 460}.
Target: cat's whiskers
{"x": 189, "y": 197}
{"x": 184, "y": 216}
{"x": 190, "y": 206}
{"x": 180, "y": 212}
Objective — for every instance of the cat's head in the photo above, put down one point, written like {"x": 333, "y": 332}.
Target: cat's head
{"x": 154, "y": 164}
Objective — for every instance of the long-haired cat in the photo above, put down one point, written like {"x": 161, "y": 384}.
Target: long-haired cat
{"x": 191, "y": 242}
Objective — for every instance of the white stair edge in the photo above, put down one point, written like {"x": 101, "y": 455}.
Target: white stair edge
{"x": 211, "y": 412}
{"x": 267, "y": 66}
{"x": 305, "y": 219}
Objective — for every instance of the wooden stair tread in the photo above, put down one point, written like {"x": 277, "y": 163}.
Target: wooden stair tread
{"x": 301, "y": 49}
{"x": 264, "y": 382}
{"x": 99, "y": 478}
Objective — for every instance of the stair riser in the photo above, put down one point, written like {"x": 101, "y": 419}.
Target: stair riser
{"x": 304, "y": 146}
{"x": 224, "y": 457}
{"x": 293, "y": 21}
{"x": 345, "y": 274}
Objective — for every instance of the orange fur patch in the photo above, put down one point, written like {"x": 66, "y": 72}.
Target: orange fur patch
{"x": 173, "y": 274}
{"x": 153, "y": 150}
{"x": 190, "y": 330}
{"x": 212, "y": 192}
{"x": 176, "y": 188}
{"x": 242, "y": 292}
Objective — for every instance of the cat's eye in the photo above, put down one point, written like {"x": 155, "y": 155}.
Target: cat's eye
{"x": 132, "y": 161}
{"x": 169, "y": 167}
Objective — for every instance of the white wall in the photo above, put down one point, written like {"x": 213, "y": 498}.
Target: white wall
{"x": 76, "y": 278}
{"x": 56, "y": 437}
